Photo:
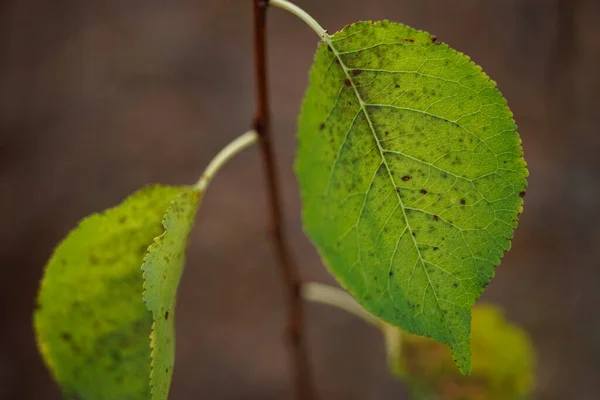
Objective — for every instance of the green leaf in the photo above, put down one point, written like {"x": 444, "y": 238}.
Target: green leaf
{"x": 91, "y": 323}
{"x": 411, "y": 175}
{"x": 163, "y": 266}
{"x": 503, "y": 362}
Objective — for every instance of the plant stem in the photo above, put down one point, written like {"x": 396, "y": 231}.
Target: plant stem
{"x": 223, "y": 156}
{"x": 336, "y": 297}
{"x": 332, "y": 296}
{"x": 303, "y": 388}
{"x": 303, "y": 15}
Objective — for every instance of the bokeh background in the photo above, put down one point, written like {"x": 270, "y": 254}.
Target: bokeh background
{"x": 98, "y": 98}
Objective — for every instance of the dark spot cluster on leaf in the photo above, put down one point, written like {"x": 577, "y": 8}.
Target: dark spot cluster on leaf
{"x": 406, "y": 178}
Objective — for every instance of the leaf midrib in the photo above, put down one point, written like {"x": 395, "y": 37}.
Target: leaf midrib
{"x": 361, "y": 102}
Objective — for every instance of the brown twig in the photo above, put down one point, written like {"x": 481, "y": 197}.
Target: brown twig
{"x": 262, "y": 125}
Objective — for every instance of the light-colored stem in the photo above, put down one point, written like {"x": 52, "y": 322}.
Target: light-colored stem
{"x": 330, "y": 295}
{"x": 303, "y": 15}
{"x": 223, "y": 156}
{"x": 393, "y": 344}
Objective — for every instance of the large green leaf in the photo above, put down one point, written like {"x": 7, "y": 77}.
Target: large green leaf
{"x": 503, "y": 361}
{"x": 411, "y": 175}
{"x": 91, "y": 323}
{"x": 163, "y": 266}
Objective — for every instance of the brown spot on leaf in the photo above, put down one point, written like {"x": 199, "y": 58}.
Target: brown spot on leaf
{"x": 347, "y": 82}
{"x": 423, "y": 191}
{"x": 408, "y": 40}
{"x": 406, "y": 178}
{"x": 166, "y": 315}
{"x": 386, "y": 133}
{"x": 463, "y": 201}
{"x": 436, "y": 218}
{"x": 66, "y": 336}
{"x": 322, "y": 126}
{"x": 357, "y": 72}
{"x": 522, "y": 194}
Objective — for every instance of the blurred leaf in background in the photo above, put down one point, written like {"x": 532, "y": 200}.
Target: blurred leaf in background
{"x": 503, "y": 361}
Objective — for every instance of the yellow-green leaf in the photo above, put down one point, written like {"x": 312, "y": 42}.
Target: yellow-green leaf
{"x": 91, "y": 323}
{"x": 163, "y": 266}
{"x": 411, "y": 175}
{"x": 503, "y": 361}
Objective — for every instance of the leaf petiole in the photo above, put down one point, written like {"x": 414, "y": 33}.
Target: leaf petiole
{"x": 303, "y": 15}
{"x": 223, "y": 156}
{"x": 332, "y": 296}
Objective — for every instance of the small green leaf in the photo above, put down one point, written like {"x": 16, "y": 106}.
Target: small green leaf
{"x": 91, "y": 323}
{"x": 163, "y": 266}
{"x": 503, "y": 362}
{"x": 411, "y": 175}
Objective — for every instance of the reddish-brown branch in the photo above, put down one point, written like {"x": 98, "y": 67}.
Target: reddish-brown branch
{"x": 262, "y": 124}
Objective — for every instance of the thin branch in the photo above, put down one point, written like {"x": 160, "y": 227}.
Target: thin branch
{"x": 223, "y": 156}
{"x": 303, "y": 387}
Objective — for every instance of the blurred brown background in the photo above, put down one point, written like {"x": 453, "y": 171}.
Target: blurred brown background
{"x": 98, "y": 98}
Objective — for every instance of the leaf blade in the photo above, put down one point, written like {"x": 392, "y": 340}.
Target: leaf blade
{"x": 389, "y": 160}
{"x": 91, "y": 324}
{"x": 162, "y": 269}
